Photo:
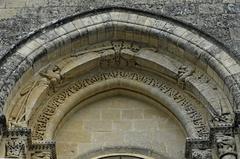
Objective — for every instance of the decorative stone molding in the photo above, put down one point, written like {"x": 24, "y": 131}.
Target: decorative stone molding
{"x": 196, "y": 147}
{"x": 221, "y": 137}
{"x": 186, "y": 104}
{"x": 226, "y": 147}
{"x": 201, "y": 154}
{"x": 183, "y": 73}
{"x": 114, "y": 21}
{"x": 18, "y": 144}
{"x": 63, "y": 38}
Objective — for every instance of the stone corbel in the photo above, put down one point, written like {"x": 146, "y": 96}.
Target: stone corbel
{"x": 197, "y": 148}
{"x": 201, "y": 154}
{"x": 226, "y": 147}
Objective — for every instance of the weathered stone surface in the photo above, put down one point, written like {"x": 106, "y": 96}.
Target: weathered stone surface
{"x": 218, "y": 18}
{"x": 235, "y": 33}
{"x": 113, "y": 129}
{"x": 232, "y": 8}
{"x": 205, "y": 15}
{"x": 211, "y": 8}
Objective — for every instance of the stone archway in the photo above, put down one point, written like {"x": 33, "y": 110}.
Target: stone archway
{"x": 75, "y": 60}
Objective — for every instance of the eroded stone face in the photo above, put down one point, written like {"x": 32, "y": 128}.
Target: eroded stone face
{"x": 119, "y": 121}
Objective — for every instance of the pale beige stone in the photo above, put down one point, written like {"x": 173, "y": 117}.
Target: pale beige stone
{"x": 15, "y": 3}
{"x": 7, "y": 13}
{"x": 130, "y": 131}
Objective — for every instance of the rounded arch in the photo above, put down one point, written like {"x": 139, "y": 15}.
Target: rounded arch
{"x": 82, "y": 38}
{"x": 120, "y": 87}
{"x": 123, "y": 151}
{"x": 118, "y": 23}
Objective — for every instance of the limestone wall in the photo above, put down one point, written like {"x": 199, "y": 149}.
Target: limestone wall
{"x": 119, "y": 121}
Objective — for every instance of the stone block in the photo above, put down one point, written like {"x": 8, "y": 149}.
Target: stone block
{"x": 7, "y": 13}
{"x": 66, "y": 150}
{"x": 132, "y": 114}
{"x": 122, "y": 125}
{"x": 113, "y": 114}
{"x": 25, "y": 51}
{"x": 15, "y": 3}
{"x": 36, "y": 3}
{"x": 106, "y": 138}
{"x": 2, "y": 3}
{"x": 146, "y": 125}
{"x": 98, "y": 126}
{"x": 74, "y": 136}
{"x": 151, "y": 114}
{"x": 69, "y": 27}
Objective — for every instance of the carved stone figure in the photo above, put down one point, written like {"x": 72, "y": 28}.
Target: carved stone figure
{"x": 53, "y": 75}
{"x": 222, "y": 117}
{"x": 114, "y": 57}
{"x": 226, "y": 147}
{"x": 183, "y": 73}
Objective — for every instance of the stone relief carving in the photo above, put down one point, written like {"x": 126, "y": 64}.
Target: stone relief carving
{"x": 222, "y": 118}
{"x": 53, "y": 75}
{"x": 113, "y": 57}
{"x": 201, "y": 154}
{"x": 15, "y": 147}
{"x": 41, "y": 155}
{"x": 226, "y": 146}
{"x": 18, "y": 144}
{"x": 18, "y": 120}
{"x": 111, "y": 54}
{"x": 51, "y": 106}
{"x": 50, "y": 76}
{"x": 184, "y": 72}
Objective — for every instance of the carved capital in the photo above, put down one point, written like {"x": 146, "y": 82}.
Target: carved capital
{"x": 18, "y": 144}
{"x": 226, "y": 147}
{"x": 201, "y": 154}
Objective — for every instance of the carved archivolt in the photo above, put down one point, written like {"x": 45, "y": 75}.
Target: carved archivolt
{"x": 183, "y": 46}
{"x": 121, "y": 61}
{"x": 187, "y": 104}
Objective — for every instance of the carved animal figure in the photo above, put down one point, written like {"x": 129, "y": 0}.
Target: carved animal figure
{"x": 53, "y": 75}
{"x": 225, "y": 144}
{"x": 183, "y": 73}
